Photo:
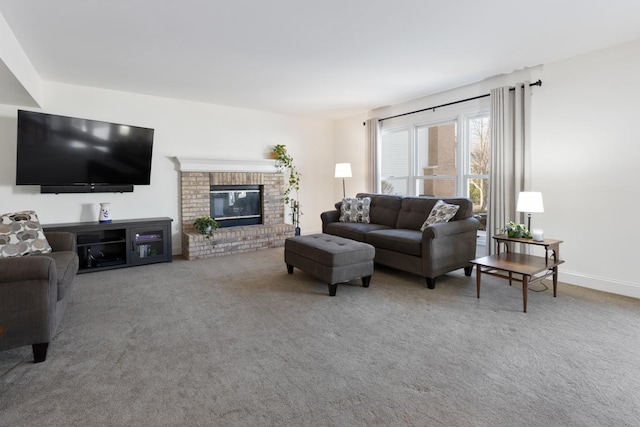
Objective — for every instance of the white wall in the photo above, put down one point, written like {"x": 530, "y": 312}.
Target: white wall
{"x": 350, "y": 147}
{"x": 586, "y": 153}
{"x": 586, "y": 148}
{"x": 185, "y": 129}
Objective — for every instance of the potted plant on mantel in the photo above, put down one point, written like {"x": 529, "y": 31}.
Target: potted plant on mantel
{"x": 284, "y": 163}
{"x": 206, "y": 225}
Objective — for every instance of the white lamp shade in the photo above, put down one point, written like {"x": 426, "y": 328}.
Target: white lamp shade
{"x": 343, "y": 170}
{"x": 530, "y": 201}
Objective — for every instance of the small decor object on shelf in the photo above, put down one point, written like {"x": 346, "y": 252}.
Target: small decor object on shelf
{"x": 517, "y": 230}
{"x": 206, "y": 225}
{"x": 537, "y": 234}
{"x": 105, "y": 212}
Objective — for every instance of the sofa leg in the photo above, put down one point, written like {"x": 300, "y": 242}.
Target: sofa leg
{"x": 431, "y": 282}
{"x": 332, "y": 289}
{"x": 39, "y": 352}
{"x": 289, "y": 268}
{"x": 468, "y": 270}
{"x": 365, "y": 281}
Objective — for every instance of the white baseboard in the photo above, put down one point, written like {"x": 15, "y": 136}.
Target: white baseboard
{"x": 600, "y": 284}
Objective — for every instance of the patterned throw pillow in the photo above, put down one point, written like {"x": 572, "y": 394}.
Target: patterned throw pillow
{"x": 355, "y": 210}
{"x": 441, "y": 212}
{"x": 21, "y": 234}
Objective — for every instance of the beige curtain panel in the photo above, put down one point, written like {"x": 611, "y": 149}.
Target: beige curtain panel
{"x": 510, "y": 155}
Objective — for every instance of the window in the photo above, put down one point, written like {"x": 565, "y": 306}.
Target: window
{"x": 441, "y": 154}
{"x": 395, "y": 151}
{"x": 419, "y": 160}
{"x": 436, "y": 174}
{"x": 477, "y": 173}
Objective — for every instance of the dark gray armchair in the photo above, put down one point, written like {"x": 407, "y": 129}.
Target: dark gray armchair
{"x": 34, "y": 293}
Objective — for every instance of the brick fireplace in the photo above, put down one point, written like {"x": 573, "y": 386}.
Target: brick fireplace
{"x": 197, "y": 177}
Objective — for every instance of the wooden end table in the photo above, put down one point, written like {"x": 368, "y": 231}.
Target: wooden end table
{"x": 506, "y": 264}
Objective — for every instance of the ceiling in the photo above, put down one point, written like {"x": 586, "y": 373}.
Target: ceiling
{"x": 323, "y": 58}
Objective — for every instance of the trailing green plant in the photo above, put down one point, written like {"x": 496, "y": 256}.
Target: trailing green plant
{"x": 517, "y": 230}
{"x": 284, "y": 163}
{"x": 206, "y": 225}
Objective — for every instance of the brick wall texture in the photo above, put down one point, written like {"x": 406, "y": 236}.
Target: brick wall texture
{"x": 232, "y": 240}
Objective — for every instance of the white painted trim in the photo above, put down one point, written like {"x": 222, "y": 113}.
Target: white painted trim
{"x": 600, "y": 284}
{"x": 220, "y": 165}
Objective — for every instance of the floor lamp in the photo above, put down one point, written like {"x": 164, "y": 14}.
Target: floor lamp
{"x": 343, "y": 170}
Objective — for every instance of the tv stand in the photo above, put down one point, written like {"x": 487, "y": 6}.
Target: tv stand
{"x": 121, "y": 243}
{"x": 89, "y": 188}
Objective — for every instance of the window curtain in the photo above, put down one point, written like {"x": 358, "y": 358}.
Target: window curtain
{"x": 510, "y": 155}
{"x": 372, "y": 130}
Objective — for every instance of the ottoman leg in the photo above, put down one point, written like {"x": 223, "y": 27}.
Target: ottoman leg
{"x": 332, "y": 289}
{"x": 289, "y": 268}
{"x": 365, "y": 281}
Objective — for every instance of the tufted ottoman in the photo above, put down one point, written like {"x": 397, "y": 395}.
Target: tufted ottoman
{"x": 330, "y": 258}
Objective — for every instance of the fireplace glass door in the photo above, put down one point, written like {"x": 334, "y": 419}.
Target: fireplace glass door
{"x": 234, "y": 205}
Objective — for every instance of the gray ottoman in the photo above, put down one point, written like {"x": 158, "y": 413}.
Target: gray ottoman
{"x": 331, "y": 259}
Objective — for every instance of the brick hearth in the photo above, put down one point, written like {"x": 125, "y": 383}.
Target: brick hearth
{"x": 232, "y": 240}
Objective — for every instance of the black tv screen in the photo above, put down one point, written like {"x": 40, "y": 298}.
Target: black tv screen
{"x": 66, "y": 151}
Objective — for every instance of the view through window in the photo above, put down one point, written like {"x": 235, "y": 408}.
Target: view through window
{"x": 444, "y": 158}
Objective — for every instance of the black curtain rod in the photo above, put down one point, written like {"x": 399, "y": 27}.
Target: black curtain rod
{"x": 538, "y": 83}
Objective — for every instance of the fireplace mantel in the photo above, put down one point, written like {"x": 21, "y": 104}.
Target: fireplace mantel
{"x": 220, "y": 165}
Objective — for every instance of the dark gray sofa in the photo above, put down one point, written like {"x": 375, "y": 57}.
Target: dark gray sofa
{"x": 394, "y": 231}
{"x": 34, "y": 293}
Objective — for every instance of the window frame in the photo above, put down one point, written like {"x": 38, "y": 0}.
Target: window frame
{"x": 458, "y": 114}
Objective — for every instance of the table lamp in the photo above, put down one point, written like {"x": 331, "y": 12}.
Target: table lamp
{"x": 530, "y": 202}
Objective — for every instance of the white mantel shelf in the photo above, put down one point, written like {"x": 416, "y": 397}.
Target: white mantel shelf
{"x": 219, "y": 165}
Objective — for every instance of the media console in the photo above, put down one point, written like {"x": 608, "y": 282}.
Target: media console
{"x": 121, "y": 243}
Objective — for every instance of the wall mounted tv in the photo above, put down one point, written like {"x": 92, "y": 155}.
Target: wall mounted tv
{"x": 72, "y": 155}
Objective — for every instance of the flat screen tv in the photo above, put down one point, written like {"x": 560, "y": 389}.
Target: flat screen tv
{"x": 73, "y": 155}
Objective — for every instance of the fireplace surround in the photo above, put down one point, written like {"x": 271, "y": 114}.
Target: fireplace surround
{"x": 198, "y": 177}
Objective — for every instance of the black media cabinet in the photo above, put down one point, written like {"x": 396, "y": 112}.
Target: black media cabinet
{"x": 121, "y": 243}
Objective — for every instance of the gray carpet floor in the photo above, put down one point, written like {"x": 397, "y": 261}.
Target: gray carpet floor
{"x": 236, "y": 341}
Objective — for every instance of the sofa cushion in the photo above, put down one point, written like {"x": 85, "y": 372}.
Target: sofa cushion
{"x": 441, "y": 212}
{"x": 414, "y": 212}
{"x": 384, "y": 208}
{"x": 352, "y": 230}
{"x": 355, "y": 209}
{"x": 21, "y": 234}
{"x": 398, "y": 240}
{"x": 466, "y": 207}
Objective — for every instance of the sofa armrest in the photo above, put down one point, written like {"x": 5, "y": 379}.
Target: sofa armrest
{"x": 61, "y": 240}
{"x": 448, "y": 246}
{"x": 329, "y": 217}
{"x": 451, "y": 228}
{"x": 28, "y": 295}
{"x": 26, "y": 268}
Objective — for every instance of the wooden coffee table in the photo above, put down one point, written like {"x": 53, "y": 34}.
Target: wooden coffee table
{"x": 531, "y": 268}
